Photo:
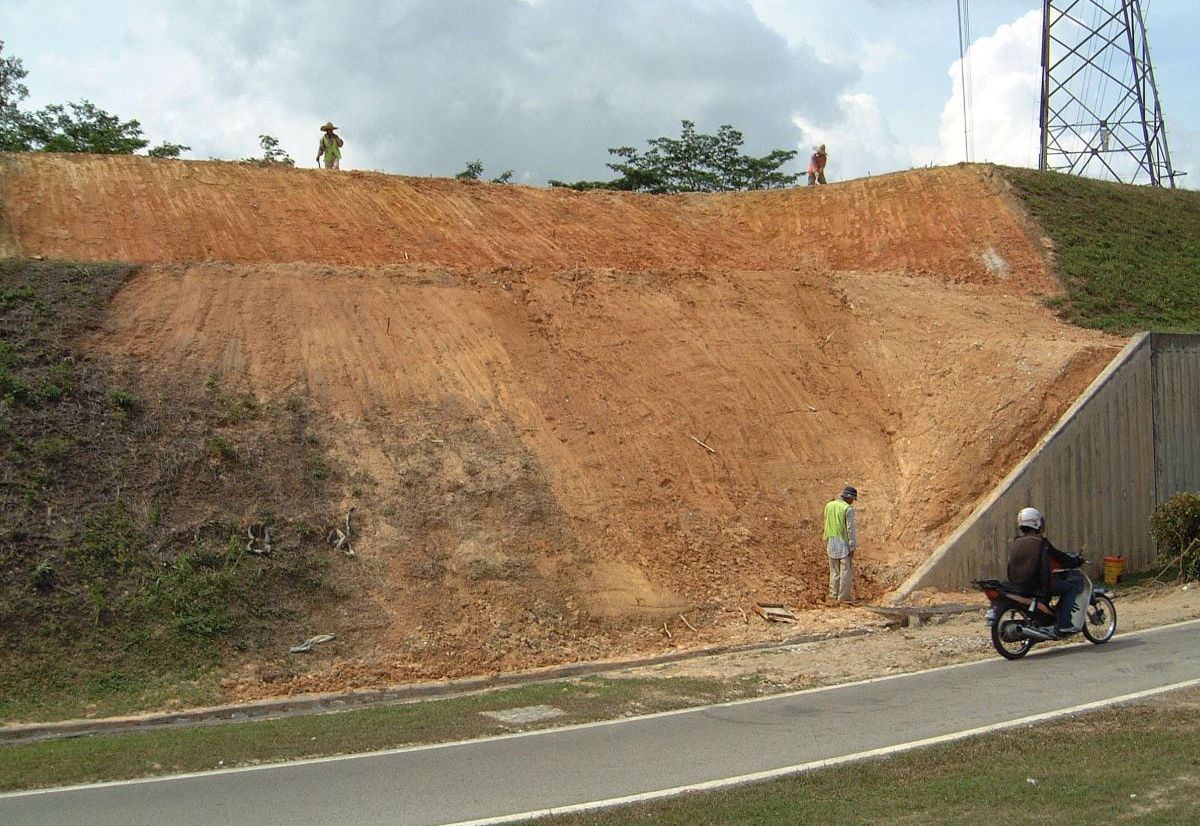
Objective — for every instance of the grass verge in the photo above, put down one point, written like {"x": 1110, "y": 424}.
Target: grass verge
{"x": 1128, "y": 256}
{"x": 1137, "y": 763}
{"x": 1131, "y": 763}
{"x": 169, "y": 751}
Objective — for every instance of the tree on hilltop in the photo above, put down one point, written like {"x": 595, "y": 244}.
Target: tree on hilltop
{"x": 273, "y": 153}
{"x": 694, "y": 162}
{"x": 12, "y": 92}
{"x": 82, "y": 127}
{"x": 474, "y": 172}
{"x": 73, "y": 127}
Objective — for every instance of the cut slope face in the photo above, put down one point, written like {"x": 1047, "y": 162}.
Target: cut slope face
{"x": 952, "y": 224}
{"x": 562, "y": 414}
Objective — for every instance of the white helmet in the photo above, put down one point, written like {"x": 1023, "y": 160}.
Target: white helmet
{"x": 1030, "y": 518}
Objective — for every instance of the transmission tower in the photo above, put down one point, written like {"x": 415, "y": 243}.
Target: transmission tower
{"x": 1100, "y": 115}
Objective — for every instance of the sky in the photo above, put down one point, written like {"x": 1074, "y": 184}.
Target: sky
{"x": 545, "y": 87}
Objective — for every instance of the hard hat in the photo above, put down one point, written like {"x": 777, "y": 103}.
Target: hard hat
{"x": 1030, "y": 518}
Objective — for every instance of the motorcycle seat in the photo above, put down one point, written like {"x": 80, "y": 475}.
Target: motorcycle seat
{"x": 1024, "y": 592}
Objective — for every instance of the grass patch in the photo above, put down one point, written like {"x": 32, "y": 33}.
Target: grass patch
{"x": 123, "y": 756}
{"x": 1126, "y": 764}
{"x": 1131, "y": 763}
{"x": 124, "y": 509}
{"x": 1128, "y": 256}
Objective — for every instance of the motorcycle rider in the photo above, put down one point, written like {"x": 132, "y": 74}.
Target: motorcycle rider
{"x": 1037, "y": 567}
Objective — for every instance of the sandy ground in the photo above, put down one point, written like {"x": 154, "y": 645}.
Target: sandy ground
{"x": 572, "y": 423}
{"x": 885, "y": 650}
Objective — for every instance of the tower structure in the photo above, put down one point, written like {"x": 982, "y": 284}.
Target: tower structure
{"x": 1100, "y": 114}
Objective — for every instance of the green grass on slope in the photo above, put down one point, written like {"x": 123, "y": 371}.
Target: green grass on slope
{"x": 1128, "y": 256}
{"x": 124, "y": 494}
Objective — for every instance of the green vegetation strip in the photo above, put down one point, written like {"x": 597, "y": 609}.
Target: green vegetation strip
{"x": 1136, "y": 763}
{"x": 126, "y": 580}
{"x": 170, "y": 751}
{"x": 1128, "y": 256}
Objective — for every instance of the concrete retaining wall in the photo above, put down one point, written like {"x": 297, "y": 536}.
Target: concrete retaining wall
{"x": 1130, "y": 442}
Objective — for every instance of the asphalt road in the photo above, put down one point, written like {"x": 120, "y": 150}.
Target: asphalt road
{"x": 492, "y": 780}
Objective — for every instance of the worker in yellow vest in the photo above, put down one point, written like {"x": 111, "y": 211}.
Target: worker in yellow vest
{"x": 841, "y": 538}
{"x": 330, "y": 147}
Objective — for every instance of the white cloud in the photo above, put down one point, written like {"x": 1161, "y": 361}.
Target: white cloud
{"x": 878, "y": 55}
{"x": 1185, "y": 148}
{"x": 1005, "y": 84}
{"x": 544, "y": 89}
{"x": 859, "y": 140}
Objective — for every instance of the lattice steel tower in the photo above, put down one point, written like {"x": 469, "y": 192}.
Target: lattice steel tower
{"x": 1100, "y": 115}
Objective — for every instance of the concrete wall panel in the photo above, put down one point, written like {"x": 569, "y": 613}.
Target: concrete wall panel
{"x": 1131, "y": 441}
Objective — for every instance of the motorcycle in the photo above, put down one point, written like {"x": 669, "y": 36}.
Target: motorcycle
{"x": 1019, "y": 620}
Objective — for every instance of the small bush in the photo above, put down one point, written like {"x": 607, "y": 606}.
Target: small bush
{"x": 1175, "y": 527}
{"x": 128, "y": 403}
{"x": 43, "y": 575}
{"x": 52, "y": 450}
{"x": 222, "y": 450}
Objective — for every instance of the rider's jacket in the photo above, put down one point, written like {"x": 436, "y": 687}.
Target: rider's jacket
{"x": 1031, "y": 560}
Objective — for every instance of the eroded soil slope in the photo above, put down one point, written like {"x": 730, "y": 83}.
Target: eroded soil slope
{"x": 564, "y": 420}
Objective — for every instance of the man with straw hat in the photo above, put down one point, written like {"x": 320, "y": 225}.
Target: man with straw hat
{"x": 816, "y": 165}
{"x": 330, "y": 147}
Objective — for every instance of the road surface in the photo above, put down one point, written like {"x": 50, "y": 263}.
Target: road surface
{"x": 497, "y": 779}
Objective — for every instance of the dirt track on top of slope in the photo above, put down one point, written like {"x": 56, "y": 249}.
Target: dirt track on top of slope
{"x": 574, "y": 422}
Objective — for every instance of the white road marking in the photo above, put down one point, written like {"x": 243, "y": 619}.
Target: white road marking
{"x": 613, "y": 722}
{"x": 800, "y": 768}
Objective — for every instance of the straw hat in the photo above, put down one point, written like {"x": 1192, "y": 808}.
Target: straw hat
{"x": 328, "y": 127}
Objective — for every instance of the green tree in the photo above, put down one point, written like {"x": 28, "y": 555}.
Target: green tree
{"x": 12, "y": 92}
{"x": 73, "y": 127}
{"x": 694, "y": 162}
{"x": 273, "y": 153}
{"x": 472, "y": 172}
{"x": 82, "y": 127}
{"x": 167, "y": 149}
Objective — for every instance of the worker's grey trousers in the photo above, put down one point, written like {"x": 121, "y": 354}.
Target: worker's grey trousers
{"x": 841, "y": 578}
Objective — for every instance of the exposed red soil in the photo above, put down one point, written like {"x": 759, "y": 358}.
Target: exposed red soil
{"x": 566, "y": 419}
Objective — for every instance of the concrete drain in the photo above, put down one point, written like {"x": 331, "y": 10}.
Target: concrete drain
{"x": 527, "y": 714}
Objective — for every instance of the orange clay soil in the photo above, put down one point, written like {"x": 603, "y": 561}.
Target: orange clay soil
{"x": 572, "y": 423}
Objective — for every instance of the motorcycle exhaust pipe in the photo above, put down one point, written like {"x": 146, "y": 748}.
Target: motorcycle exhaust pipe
{"x": 1037, "y": 633}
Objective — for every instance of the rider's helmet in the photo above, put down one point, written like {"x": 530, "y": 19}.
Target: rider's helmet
{"x": 1030, "y": 518}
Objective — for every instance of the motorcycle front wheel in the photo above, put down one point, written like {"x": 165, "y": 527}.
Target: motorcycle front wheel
{"x": 1007, "y": 638}
{"x": 1101, "y": 622}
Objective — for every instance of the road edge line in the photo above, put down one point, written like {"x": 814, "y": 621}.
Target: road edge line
{"x": 816, "y": 765}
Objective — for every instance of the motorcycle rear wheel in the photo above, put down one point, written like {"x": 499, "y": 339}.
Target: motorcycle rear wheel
{"x": 1101, "y": 621}
{"x": 1011, "y": 649}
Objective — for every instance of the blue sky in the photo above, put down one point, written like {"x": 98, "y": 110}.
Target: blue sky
{"x": 545, "y": 87}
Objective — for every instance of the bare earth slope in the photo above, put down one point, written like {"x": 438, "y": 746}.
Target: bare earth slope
{"x": 567, "y": 419}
